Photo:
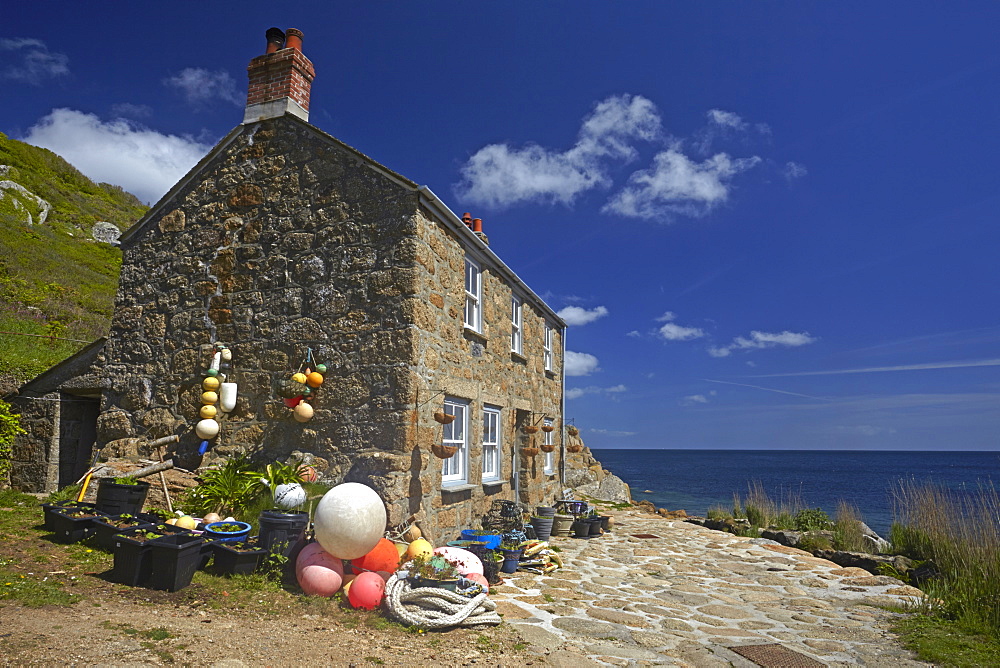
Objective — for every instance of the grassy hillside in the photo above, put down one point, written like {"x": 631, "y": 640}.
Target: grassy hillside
{"x": 54, "y": 278}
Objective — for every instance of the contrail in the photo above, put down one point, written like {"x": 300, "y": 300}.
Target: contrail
{"x": 875, "y": 369}
{"x": 767, "y": 389}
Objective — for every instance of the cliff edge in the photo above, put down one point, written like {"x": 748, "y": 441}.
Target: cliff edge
{"x": 587, "y": 477}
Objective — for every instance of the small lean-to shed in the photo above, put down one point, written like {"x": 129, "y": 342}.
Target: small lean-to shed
{"x": 284, "y": 242}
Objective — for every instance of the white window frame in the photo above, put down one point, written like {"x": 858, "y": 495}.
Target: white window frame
{"x": 491, "y": 443}
{"x": 548, "y": 439}
{"x": 547, "y": 347}
{"x": 455, "y": 469}
{"x": 473, "y": 295}
{"x": 516, "y": 324}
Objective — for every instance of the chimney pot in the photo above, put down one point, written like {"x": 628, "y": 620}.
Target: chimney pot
{"x": 275, "y": 39}
{"x": 477, "y": 225}
{"x": 293, "y": 39}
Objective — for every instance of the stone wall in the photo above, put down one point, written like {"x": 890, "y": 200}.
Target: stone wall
{"x": 286, "y": 240}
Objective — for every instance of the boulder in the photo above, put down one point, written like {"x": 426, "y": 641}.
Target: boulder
{"x": 610, "y": 488}
{"x": 869, "y": 562}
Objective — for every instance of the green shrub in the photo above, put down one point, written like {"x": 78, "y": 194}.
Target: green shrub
{"x": 813, "y": 542}
{"x": 847, "y": 532}
{"x": 10, "y": 428}
{"x": 812, "y": 519}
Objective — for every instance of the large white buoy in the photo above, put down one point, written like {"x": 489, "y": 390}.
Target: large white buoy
{"x": 350, "y": 520}
{"x": 227, "y": 397}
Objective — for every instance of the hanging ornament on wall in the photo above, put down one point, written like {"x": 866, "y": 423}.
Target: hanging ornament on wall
{"x": 217, "y": 395}
{"x": 300, "y": 386}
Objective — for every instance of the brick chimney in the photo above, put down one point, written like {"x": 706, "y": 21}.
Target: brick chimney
{"x": 280, "y": 80}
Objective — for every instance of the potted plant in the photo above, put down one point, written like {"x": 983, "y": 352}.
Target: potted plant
{"x": 512, "y": 552}
{"x": 490, "y": 539}
{"x": 548, "y": 447}
{"x": 240, "y": 557}
{"x": 529, "y": 451}
{"x": 572, "y": 430}
{"x": 121, "y": 495}
{"x": 530, "y": 429}
{"x": 433, "y": 571}
{"x": 174, "y": 559}
{"x": 444, "y": 418}
{"x": 105, "y": 528}
{"x": 442, "y": 451}
{"x": 227, "y": 532}
{"x": 131, "y": 549}
{"x": 73, "y": 524}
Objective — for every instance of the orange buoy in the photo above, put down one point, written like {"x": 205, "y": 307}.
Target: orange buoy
{"x": 314, "y": 380}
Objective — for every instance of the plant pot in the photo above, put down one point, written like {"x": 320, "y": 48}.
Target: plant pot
{"x": 530, "y": 429}
{"x": 450, "y": 585}
{"x": 542, "y": 526}
{"x": 562, "y": 525}
{"x": 237, "y": 558}
{"x": 572, "y": 430}
{"x": 48, "y": 509}
{"x": 545, "y": 511}
{"x": 173, "y": 560}
{"x": 444, "y": 418}
{"x": 581, "y": 529}
{"x": 547, "y": 428}
{"x": 105, "y": 528}
{"x": 547, "y": 447}
{"x": 492, "y": 541}
{"x": 607, "y": 522}
{"x": 510, "y": 563}
{"x": 71, "y": 525}
{"x": 442, "y": 451}
{"x": 115, "y": 498}
{"x": 574, "y": 448}
{"x": 282, "y": 531}
{"x": 213, "y": 532}
{"x": 132, "y": 564}
{"x": 595, "y": 526}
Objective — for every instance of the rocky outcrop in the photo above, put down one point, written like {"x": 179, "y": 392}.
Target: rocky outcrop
{"x": 588, "y": 478}
{"x": 105, "y": 232}
{"x": 19, "y": 195}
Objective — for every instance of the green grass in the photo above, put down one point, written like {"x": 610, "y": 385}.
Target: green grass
{"x": 32, "y": 590}
{"x": 947, "y": 643}
{"x": 54, "y": 279}
{"x": 960, "y": 535}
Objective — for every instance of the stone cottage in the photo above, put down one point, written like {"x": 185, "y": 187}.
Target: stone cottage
{"x": 291, "y": 248}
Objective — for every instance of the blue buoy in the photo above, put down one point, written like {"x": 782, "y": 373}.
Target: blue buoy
{"x": 204, "y": 448}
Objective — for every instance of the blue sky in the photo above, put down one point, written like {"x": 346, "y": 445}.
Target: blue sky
{"x": 774, "y": 225}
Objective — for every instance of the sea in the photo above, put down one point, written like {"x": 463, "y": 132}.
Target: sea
{"x": 695, "y": 480}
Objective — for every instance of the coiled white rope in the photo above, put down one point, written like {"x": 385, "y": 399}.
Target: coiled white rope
{"x": 434, "y": 608}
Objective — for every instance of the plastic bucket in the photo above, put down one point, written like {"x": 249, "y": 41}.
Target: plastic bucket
{"x": 280, "y": 528}
{"x": 114, "y": 498}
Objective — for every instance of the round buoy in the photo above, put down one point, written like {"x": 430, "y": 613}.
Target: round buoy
{"x": 367, "y": 591}
{"x": 303, "y": 412}
{"x": 419, "y": 548}
{"x": 350, "y": 520}
{"x": 207, "y": 429}
{"x": 321, "y": 368}
{"x": 289, "y": 495}
{"x": 467, "y": 561}
{"x": 314, "y": 380}
{"x": 210, "y": 383}
{"x": 212, "y": 372}
{"x": 209, "y": 397}
{"x": 299, "y": 377}
{"x": 227, "y": 354}
{"x": 207, "y": 412}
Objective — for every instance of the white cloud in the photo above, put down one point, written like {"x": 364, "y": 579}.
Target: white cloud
{"x": 499, "y": 175}
{"x": 693, "y": 399}
{"x": 577, "y": 392}
{"x": 140, "y": 160}
{"x": 759, "y": 340}
{"x": 574, "y": 315}
{"x": 673, "y": 332}
{"x": 675, "y": 185}
{"x": 667, "y": 317}
{"x": 726, "y": 119}
{"x": 634, "y": 334}
{"x": 794, "y": 170}
{"x": 580, "y": 364}
{"x": 200, "y": 86}
{"x": 611, "y": 432}
{"x": 36, "y": 62}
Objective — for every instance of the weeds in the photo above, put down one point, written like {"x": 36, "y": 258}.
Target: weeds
{"x": 847, "y": 532}
{"x": 960, "y": 534}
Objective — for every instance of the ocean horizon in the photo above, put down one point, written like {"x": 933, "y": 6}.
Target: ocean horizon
{"x": 696, "y": 480}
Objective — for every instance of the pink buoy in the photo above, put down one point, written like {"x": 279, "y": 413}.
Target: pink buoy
{"x": 467, "y": 562}
{"x": 367, "y": 590}
{"x": 318, "y": 580}
{"x": 314, "y": 554}
{"x": 479, "y": 579}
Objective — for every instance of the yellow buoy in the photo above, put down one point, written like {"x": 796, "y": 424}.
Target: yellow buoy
{"x": 299, "y": 377}
{"x": 419, "y": 547}
{"x": 210, "y": 384}
{"x": 209, "y": 397}
{"x": 208, "y": 411}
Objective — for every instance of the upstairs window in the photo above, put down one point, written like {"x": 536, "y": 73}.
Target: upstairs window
{"x": 547, "y": 347}
{"x": 491, "y": 443}
{"x": 454, "y": 470}
{"x": 550, "y": 457}
{"x": 473, "y": 295}
{"x": 515, "y": 325}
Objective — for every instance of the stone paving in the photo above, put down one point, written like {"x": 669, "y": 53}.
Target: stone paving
{"x": 686, "y": 596}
